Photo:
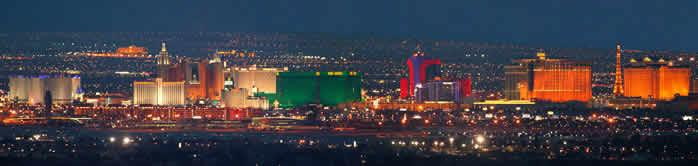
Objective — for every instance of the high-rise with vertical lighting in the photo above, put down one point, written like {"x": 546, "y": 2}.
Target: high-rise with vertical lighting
{"x": 545, "y": 79}
{"x": 618, "y": 84}
{"x": 31, "y": 90}
{"x": 256, "y": 79}
{"x": 158, "y": 92}
{"x": 656, "y": 80}
{"x": 163, "y": 62}
{"x": 420, "y": 69}
{"x": 204, "y": 79}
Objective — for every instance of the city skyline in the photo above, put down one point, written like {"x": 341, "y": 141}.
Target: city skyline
{"x": 558, "y": 108}
{"x": 348, "y": 82}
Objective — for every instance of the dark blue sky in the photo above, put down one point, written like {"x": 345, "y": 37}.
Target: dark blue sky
{"x": 642, "y": 24}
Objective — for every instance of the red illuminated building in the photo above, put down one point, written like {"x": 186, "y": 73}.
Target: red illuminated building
{"x": 420, "y": 70}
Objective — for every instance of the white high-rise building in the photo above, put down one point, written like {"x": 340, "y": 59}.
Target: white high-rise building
{"x": 262, "y": 80}
{"x": 32, "y": 89}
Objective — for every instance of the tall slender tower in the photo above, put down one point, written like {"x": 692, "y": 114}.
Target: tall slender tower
{"x": 618, "y": 85}
{"x": 164, "y": 57}
{"x": 163, "y": 63}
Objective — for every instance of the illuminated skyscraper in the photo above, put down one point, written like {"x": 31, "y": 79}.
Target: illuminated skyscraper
{"x": 163, "y": 62}
{"x": 656, "y": 80}
{"x": 420, "y": 69}
{"x": 517, "y": 80}
{"x": 163, "y": 57}
{"x": 326, "y": 88}
{"x": 544, "y": 79}
{"x": 204, "y": 80}
{"x": 618, "y": 85}
{"x": 32, "y": 89}
{"x": 158, "y": 92}
{"x": 260, "y": 80}
{"x": 214, "y": 86}
{"x": 404, "y": 88}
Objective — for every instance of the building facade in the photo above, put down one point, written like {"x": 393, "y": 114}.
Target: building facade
{"x": 325, "y": 88}
{"x": 552, "y": 80}
{"x": 517, "y": 81}
{"x": 32, "y": 90}
{"x": 660, "y": 80}
{"x": 444, "y": 91}
{"x": 257, "y": 80}
{"x": 420, "y": 69}
{"x": 158, "y": 92}
{"x": 240, "y": 98}
{"x": 163, "y": 63}
{"x": 132, "y": 50}
{"x": 203, "y": 79}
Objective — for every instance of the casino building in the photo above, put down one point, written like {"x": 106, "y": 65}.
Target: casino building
{"x": 255, "y": 79}
{"x": 132, "y": 50}
{"x": 325, "y": 88}
{"x": 657, "y": 80}
{"x": 31, "y": 89}
{"x": 420, "y": 69}
{"x": 546, "y": 79}
{"x": 158, "y": 92}
{"x": 203, "y": 79}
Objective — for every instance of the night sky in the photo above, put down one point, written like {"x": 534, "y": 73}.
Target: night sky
{"x": 641, "y": 24}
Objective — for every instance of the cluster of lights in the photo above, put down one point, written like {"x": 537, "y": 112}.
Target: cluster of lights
{"x": 125, "y": 140}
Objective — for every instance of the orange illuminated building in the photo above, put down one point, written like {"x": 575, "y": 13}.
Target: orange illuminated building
{"x": 660, "y": 80}
{"x": 203, "y": 80}
{"x": 194, "y": 91}
{"x": 543, "y": 79}
{"x": 132, "y": 50}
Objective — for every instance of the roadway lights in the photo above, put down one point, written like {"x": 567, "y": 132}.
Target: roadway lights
{"x": 127, "y": 141}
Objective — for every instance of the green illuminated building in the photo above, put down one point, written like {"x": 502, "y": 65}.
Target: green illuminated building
{"x": 326, "y": 88}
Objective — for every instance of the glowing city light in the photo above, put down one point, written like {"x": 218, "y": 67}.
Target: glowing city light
{"x": 126, "y": 140}
{"x": 480, "y": 139}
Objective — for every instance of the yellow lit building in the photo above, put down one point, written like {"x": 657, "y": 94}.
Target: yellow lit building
{"x": 239, "y": 98}
{"x": 659, "y": 80}
{"x": 544, "y": 79}
{"x": 158, "y": 92}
